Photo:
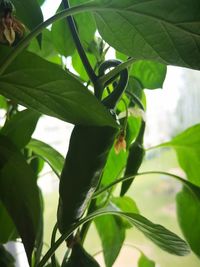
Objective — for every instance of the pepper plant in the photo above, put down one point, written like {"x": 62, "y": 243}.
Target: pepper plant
{"x": 101, "y": 98}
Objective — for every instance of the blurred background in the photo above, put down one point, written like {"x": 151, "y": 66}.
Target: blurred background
{"x": 169, "y": 111}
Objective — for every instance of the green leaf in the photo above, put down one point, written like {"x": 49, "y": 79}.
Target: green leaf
{"x": 80, "y": 257}
{"x": 19, "y": 194}
{"x": 3, "y": 102}
{"x": 150, "y": 74}
{"x": 47, "y": 49}
{"x": 163, "y": 31}
{"x": 112, "y": 239}
{"x": 187, "y": 146}
{"x": 45, "y": 87}
{"x": 29, "y": 12}
{"x": 114, "y": 166}
{"x": 188, "y": 211}
{"x": 85, "y": 23}
{"x": 6, "y": 259}
{"x": 79, "y": 67}
{"x": 145, "y": 262}
{"x": 20, "y": 127}
{"x": 7, "y": 228}
{"x": 125, "y": 204}
{"x": 61, "y": 36}
{"x": 48, "y": 154}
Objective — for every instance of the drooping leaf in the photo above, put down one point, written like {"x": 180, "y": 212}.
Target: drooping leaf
{"x": 163, "y": 31}
{"x": 62, "y": 37}
{"x": 188, "y": 211}
{"x": 6, "y": 259}
{"x": 158, "y": 234}
{"x": 47, "y": 153}
{"x": 150, "y": 74}
{"x": 145, "y": 262}
{"x": 112, "y": 239}
{"x": 29, "y": 12}
{"x": 19, "y": 194}
{"x": 20, "y": 127}
{"x": 7, "y": 228}
{"x": 187, "y": 146}
{"x": 45, "y": 87}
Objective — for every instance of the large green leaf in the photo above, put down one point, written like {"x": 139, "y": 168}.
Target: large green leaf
{"x": 112, "y": 239}
{"x": 45, "y": 87}
{"x": 20, "y": 127}
{"x": 150, "y": 74}
{"x": 163, "y": 31}
{"x": 47, "y": 153}
{"x": 19, "y": 194}
{"x": 145, "y": 262}
{"x": 7, "y": 227}
{"x": 188, "y": 211}
{"x": 187, "y": 146}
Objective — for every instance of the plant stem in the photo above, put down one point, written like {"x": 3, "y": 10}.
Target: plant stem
{"x": 120, "y": 180}
{"x": 79, "y": 46}
{"x": 53, "y": 238}
{"x": 107, "y": 77}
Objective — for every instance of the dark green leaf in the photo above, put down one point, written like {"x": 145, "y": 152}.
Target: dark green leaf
{"x": 80, "y": 258}
{"x": 112, "y": 238}
{"x": 163, "y": 31}
{"x": 49, "y": 154}
{"x": 19, "y": 194}
{"x": 7, "y": 227}
{"x": 61, "y": 36}
{"x": 6, "y": 259}
{"x": 45, "y": 87}
{"x": 29, "y": 12}
{"x": 187, "y": 146}
{"x": 188, "y": 211}
{"x": 145, "y": 262}
{"x": 150, "y": 74}
{"x": 20, "y": 127}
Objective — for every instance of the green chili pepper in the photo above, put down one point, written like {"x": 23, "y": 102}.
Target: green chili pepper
{"x": 88, "y": 150}
{"x": 135, "y": 158}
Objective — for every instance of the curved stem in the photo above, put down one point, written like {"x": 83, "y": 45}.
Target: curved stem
{"x": 107, "y": 77}
{"x": 120, "y": 180}
{"x": 79, "y": 46}
{"x": 136, "y": 100}
{"x": 53, "y": 238}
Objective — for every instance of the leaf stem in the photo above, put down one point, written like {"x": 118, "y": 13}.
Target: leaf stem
{"x": 120, "y": 180}
{"x": 79, "y": 46}
{"x": 53, "y": 238}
